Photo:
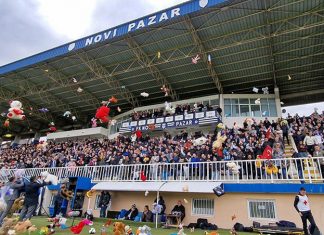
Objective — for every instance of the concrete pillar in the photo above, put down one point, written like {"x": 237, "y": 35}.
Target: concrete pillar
{"x": 221, "y": 104}
{"x": 278, "y": 102}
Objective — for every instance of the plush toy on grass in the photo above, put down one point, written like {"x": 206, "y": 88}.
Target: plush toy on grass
{"x": 128, "y": 230}
{"x": 8, "y": 224}
{"x": 21, "y": 227}
{"x": 15, "y": 111}
{"x": 77, "y": 229}
{"x": 92, "y": 231}
{"x": 119, "y": 228}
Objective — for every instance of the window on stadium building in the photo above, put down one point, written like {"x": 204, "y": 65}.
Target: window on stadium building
{"x": 248, "y": 108}
{"x": 203, "y": 207}
{"x": 262, "y": 209}
{"x": 96, "y": 205}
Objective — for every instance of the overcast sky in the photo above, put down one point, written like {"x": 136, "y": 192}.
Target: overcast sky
{"x": 32, "y": 26}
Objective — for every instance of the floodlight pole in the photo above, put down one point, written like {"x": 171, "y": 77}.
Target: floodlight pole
{"x": 157, "y": 202}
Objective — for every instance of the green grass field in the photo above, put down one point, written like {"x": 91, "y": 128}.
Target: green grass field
{"x": 42, "y": 221}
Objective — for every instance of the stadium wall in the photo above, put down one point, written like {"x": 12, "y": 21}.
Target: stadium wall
{"x": 224, "y": 207}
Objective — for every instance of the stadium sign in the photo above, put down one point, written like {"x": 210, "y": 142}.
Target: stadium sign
{"x": 121, "y": 30}
{"x": 161, "y": 123}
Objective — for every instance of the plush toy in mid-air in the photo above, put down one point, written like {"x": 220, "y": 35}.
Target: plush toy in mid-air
{"x": 52, "y": 127}
{"x": 65, "y": 193}
{"x": 168, "y": 108}
{"x": 47, "y": 177}
{"x": 103, "y": 112}
{"x": 200, "y": 141}
{"x": 15, "y": 111}
{"x": 235, "y": 169}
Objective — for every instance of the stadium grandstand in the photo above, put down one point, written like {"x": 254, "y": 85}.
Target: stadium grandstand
{"x": 195, "y": 94}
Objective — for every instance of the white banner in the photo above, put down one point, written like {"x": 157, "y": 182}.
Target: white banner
{"x": 159, "y": 120}
{"x": 189, "y": 116}
{"x": 141, "y": 122}
{"x": 169, "y": 119}
{"x": 200, "y": 115}
{"x": 150, "y": 121}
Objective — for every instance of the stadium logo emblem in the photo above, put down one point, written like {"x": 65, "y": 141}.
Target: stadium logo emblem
{"x": 203, "y": 3}
{"x": 71, "y": 46}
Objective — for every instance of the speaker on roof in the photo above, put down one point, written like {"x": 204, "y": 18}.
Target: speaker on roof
{"x": 219, "y": 190}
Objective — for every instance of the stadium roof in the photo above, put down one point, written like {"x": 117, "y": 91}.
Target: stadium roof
{"x": 251, "y": 43}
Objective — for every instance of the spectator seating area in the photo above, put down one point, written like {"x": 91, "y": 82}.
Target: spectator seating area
{"x": 244, "y": 144}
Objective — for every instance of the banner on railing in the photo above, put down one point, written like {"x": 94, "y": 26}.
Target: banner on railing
{"x": 175, "y": 121}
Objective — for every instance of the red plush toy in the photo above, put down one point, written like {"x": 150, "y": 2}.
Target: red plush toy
{"x": 103, "y": 112}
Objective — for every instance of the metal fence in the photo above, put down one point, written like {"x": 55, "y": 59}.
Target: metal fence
{"x": 275, "y": 170}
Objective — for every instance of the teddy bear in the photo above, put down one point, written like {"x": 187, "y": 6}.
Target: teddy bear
{"x": 8, "y": 224}
{"x": 145, "y": 230}
{"x": 102, "y": 112}
{"x": 47, "y": 177}
{"x": 17, "y": 205}
{"x": 15, "y": 111}
{"x": 221, "y": 137}
{"x": 119, "y": 228}
{"x": 168, "y": 108}
{"x": 32, "y": 229}
{"x": 128, "y": 230}
{"x": 200, "y": 141}
{"x": 235, "y": 169}
{"x": 22, "y": 226}
{"x": 65, "y": 193}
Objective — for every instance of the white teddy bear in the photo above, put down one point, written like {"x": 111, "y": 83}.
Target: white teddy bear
{"x": 15, "y": 111}
{"x": 233, "y": 167}
{"x": 200, "y": 141}
{"x": 47, "y": 177}
{"x": 168, "y": 108}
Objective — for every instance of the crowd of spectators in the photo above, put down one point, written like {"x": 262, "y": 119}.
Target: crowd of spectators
{"x": 243, "y": 142}
{"x": 179, "y": 110}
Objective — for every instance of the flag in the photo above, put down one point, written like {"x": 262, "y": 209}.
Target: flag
{"x": 268, "y": 133}
{"x": 143, "y": 177}
{"x": 138, "y": 134}
{"x": 267, "y": 153}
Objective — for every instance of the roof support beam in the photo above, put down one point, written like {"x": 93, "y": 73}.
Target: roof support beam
{"x": 60, "y": 79}
{"x": 106, "y": 77}
{"x": 302, "y": 94}
{"x": 144, "y": 59}
{"x": 202, "y": 51}
{"x": 270, "y": 42}
{"x": 48, "y": 97}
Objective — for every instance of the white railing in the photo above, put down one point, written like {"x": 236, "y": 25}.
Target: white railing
{"x": 257, "y": 171}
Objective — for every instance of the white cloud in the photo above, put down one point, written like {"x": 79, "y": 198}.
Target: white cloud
{"x": 74, "y": 19}
{"x": 70, "y": 19}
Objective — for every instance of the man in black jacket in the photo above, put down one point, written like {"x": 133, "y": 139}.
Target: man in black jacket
{"x": 103, "y": 203}
{"x": 31, "y": 198}
{"x": 179, "y": 209}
